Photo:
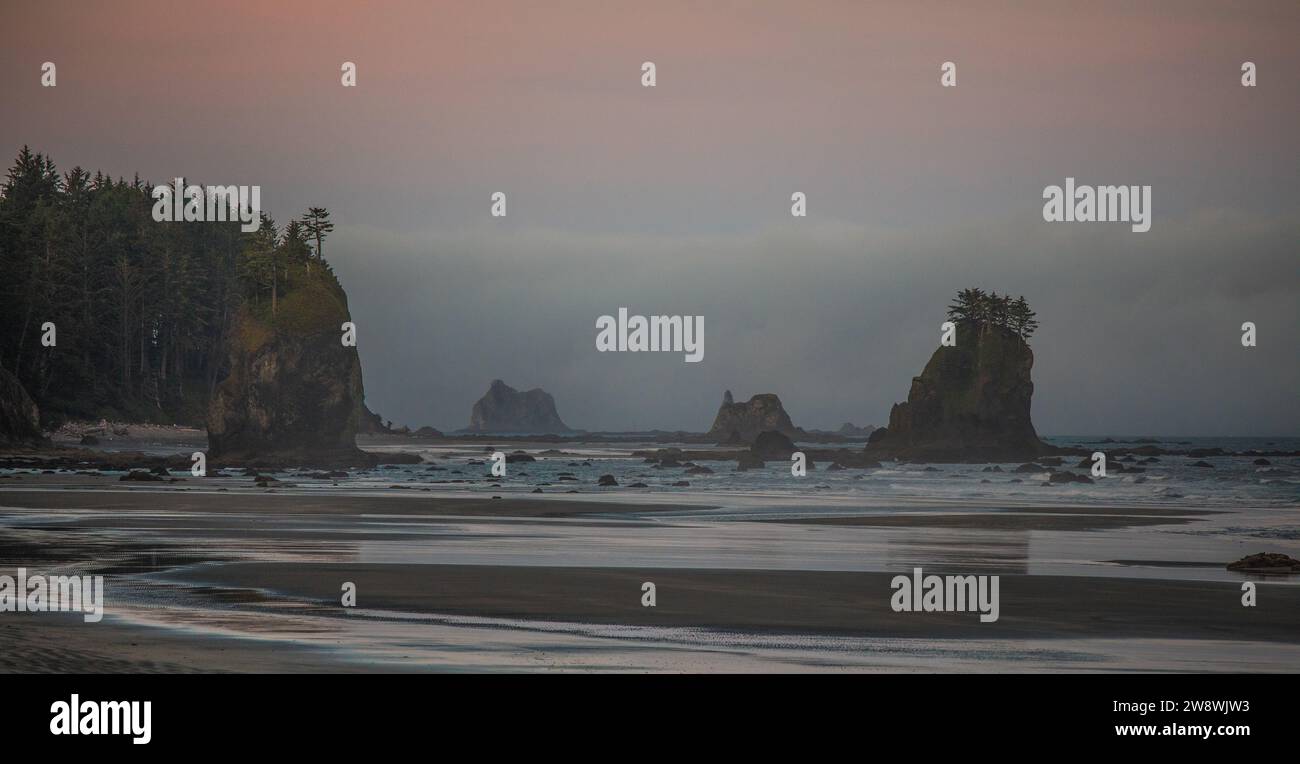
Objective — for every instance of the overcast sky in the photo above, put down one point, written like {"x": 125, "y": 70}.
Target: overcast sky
{"x": 676, "y": 199}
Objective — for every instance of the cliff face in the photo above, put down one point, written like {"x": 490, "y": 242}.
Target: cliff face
{"x": 970, "y": 402}
{"x": 742, "y": 422}
{"x": 505, "y": 409}
{"x": 294, "y": 391}
{"x": 20, "y": 420}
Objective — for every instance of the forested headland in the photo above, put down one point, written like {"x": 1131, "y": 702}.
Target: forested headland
{"x": 142, "y": 311}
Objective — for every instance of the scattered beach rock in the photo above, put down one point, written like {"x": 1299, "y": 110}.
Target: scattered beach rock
{"x": 607, "y": 480}
{"x": 1266, "y": 562}
{"x": 142, "y": 475}
{"x": 1068, "y": 477}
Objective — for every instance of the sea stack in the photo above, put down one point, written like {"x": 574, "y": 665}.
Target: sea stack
{"x": 293, "y": 394}
{"x": 740, "y": 423}
{"x": 971, "y": 403}
{"x": 503, "y": 409}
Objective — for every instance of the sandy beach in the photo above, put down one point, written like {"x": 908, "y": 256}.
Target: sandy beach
{"x": 214, "y": 574}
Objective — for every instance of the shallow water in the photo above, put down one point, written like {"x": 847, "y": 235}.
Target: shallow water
{"x": 717, "y": 522}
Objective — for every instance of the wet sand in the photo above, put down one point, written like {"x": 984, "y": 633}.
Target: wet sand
{"x": 794, "y": 602}
{"x": 249, "y": 580}
{"x": 241, "y": 498}
{"x": 1007, "y": 520}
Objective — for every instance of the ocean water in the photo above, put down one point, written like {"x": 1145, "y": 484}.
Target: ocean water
{"x": 1230, "y": 481}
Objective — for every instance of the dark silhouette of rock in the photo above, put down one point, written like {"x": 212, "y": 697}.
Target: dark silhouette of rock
{"x": 505, "y": 409}
{"x": 141, "y": 475}
{"x": 370, "y": 423}
{"x": 971, "y": 402}
{"x": 748, "y": 460}
{"x": 772, "y": 445}
{"x": 427, "y": 432}
{"x": 1266, "y": 562}
{"x": 20, "y": 419}
{"x": 850, "y": 430}
{"x": 293, "y": 393}
{"x": 1068, "y": 477}
{"x": 607, "y": 480}
{"x": 742, "y": 422}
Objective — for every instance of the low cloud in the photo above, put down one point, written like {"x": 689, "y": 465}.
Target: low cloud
{"x": 1140, "y": 332}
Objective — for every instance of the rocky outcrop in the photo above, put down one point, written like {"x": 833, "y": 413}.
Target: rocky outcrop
{"x": 1266, "y": 562}
{"x": 20, "y": 419}
{"x": 740, "y": 423}
{"x": 970, "y": 403}
{"x": 294, "y": 393}
{"x": 850, "y": 430}
{"x": 371, "y": 423}
{"x": 504, "y": 409}
{"x": 771, "y": 444}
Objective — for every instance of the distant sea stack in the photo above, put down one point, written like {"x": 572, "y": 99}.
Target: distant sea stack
{"x": 20, "y": 419}
{"x": 972, "y": 400}
{"x": 504, "y": 409}
{"x": 850, "y": 430}
{"x": 740, "y": 423}
{"x": 293, "y": 394}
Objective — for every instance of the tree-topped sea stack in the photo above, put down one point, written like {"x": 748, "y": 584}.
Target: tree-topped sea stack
{"x": 972, "y": 400}
{"x": 293, "y": 393}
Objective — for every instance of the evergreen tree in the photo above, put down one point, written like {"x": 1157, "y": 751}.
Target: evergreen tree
{"x": 143, "y": 310}
{"x": 318, "y": 226}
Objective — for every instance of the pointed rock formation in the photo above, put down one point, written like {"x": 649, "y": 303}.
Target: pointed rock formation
{"x": 970, "y": 403}
{"x": 506, "y": 410}
{"x": 20, "y": 419}
{"x": 742, "y": 422}
{"x": 294, "y": 393}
